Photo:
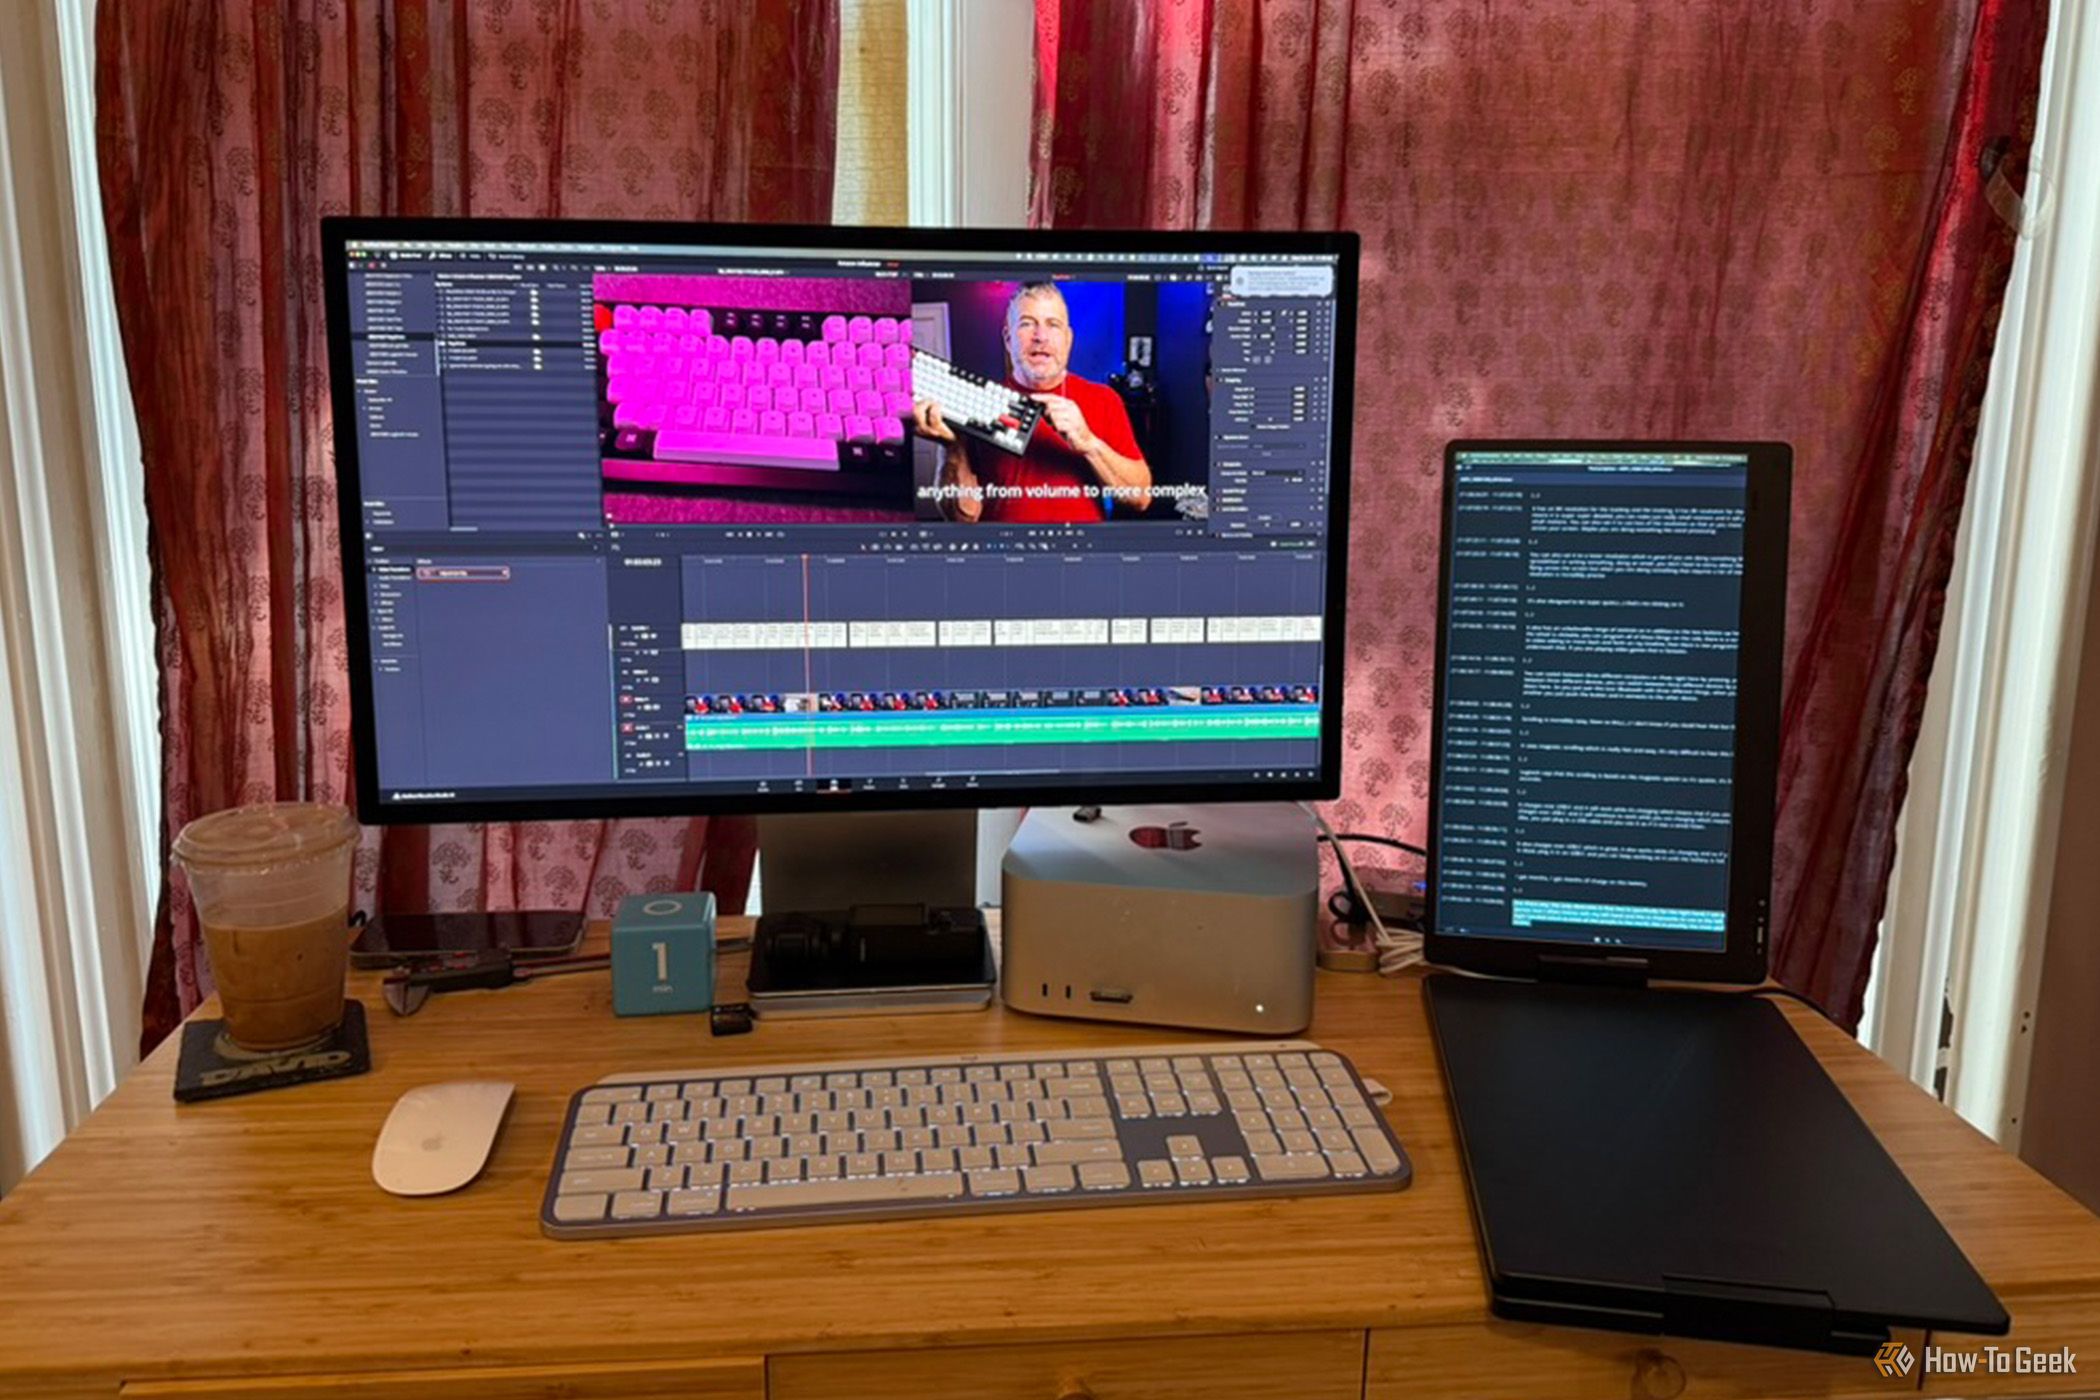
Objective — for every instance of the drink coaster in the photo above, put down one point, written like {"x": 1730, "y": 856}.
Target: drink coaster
{"x": 213, "y": 1067}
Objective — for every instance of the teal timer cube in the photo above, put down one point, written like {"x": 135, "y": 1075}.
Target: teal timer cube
{"x": 663, "y": 954}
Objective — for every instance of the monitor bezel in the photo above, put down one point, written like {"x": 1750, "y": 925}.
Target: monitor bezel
{"x": 1745, "y": 954}
{"x": 338, "y": 232}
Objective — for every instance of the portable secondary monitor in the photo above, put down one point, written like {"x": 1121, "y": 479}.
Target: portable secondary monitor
{"x": 1605, "y": 744}
{"x": 1606, "y": 730}
{"x": 645, "y": 518}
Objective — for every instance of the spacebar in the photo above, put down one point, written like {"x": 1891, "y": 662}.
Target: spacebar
{"x": 747, "y": 450}
{"x": 797, "y": 1195}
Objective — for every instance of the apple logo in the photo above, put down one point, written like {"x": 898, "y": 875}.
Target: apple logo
{"x": 1179, "y": 836}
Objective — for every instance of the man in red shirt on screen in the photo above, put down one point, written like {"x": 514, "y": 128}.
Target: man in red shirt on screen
{"x": 1083, "y": 453}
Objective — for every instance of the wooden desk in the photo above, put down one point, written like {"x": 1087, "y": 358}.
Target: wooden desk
{"x": 240, "y": 1249}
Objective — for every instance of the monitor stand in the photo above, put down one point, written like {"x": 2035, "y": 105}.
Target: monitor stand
{"x": 835, "y": 860}
{"x": 870, "y": 913}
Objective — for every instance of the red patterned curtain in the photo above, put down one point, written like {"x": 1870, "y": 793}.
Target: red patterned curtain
{"x": 1710, "y": 219}
{"x": 227, "y": 130}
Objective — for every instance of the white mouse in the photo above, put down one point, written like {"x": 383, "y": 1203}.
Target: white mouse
{"x": 438, "y": 1136}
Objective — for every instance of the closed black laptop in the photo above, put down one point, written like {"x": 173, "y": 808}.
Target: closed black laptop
{"x": 1601, "y": 815}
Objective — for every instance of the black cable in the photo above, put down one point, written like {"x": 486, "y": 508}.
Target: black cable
{"x": 1378, "y": 841}
{"x": 1347, "y": 902}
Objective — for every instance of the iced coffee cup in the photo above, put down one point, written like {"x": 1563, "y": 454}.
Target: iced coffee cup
{"x": 272, "y": 889}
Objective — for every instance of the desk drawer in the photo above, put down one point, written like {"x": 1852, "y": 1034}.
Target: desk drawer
{"x": 743, "y": 1379}
{"x": 1282, "y": 1366}
{"x": 1521, "y": 1361}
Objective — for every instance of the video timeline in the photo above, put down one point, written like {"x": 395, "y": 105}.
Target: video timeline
{"x": 709, "y": 705}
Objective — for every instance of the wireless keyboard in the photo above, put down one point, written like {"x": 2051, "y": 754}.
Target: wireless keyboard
{"x": 800, "y": 1144}
{"x": 983, "y": 408}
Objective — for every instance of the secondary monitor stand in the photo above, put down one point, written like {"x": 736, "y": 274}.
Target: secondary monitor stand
{"x": 870, "y": 913}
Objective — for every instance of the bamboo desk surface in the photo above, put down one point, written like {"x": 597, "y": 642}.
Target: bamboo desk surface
{"x": 245, "y": 1237}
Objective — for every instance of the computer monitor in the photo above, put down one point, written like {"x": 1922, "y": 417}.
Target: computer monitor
{"x": 654, "y": 518}
{"x": 1607, "y": 707}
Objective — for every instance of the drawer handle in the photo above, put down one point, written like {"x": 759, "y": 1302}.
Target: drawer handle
{"x": 1075, "y": 1390}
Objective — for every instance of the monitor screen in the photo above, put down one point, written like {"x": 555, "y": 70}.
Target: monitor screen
{"x": 676, "y": 518}
{"x": 1589, "y": 748}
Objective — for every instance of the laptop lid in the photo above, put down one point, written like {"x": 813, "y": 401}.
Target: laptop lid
{"x": 1606, "y": 738}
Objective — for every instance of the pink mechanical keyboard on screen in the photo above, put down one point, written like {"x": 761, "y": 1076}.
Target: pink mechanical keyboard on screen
{"x": 790, "y": 390}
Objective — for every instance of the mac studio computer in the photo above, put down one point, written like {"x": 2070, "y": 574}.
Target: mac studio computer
{"x": 1606, "y": 742}
{"x": 657, "y": 519}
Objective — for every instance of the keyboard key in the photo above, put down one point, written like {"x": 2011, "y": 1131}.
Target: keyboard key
{"x": 1192, "y": 1171}
{"x": 1103, "y": 1176}
{"x": 1378, "y": 1153}
{"x": 798, "y": 1195}
{"x": 704, "y": 1202}
{"x": 1049, "y": 1180}
{"x": 589, "y": 1159}
{"x": 999, "y": 1181}
{"x": 578, "y": 1208}
{"x": 1051, "y": 1153}
{"x": 637, "y": 1205}
{"x": 1293, "y": 1166}
{"x": 1083, "y": 1130}
{"x": 1154, "y": 1171}
{"x": 628, "y": 1179}
{"x": 1230, "y": 1171}
{"x": 1183, "y": 1145}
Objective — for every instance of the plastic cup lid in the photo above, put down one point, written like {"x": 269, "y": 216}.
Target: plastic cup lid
{"x": 271, "y": 833}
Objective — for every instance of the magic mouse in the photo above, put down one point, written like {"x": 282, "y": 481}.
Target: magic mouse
{"x": 438, "y": 1136}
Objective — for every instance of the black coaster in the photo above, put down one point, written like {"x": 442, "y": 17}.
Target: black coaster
{"x": 213, "y": 1067}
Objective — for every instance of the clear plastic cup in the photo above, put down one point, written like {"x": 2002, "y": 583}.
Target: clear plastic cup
{"x": 272, "y": 889}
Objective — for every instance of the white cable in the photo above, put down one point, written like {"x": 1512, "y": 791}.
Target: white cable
{"x": 1396, "y": 951}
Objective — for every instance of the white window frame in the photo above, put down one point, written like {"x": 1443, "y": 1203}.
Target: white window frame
{"x": 971, "y": 71}
{"x": 78, "y": 762}
{"x": 1969, "y": 910}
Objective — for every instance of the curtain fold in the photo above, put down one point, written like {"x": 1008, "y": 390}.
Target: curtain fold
{"x": 226, "y": 130}
{"x": 1701, "y": 220}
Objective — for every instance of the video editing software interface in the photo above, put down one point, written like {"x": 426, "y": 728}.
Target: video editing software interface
{"x": 1585, "y": 790}
{"x": 659, "y": 519}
